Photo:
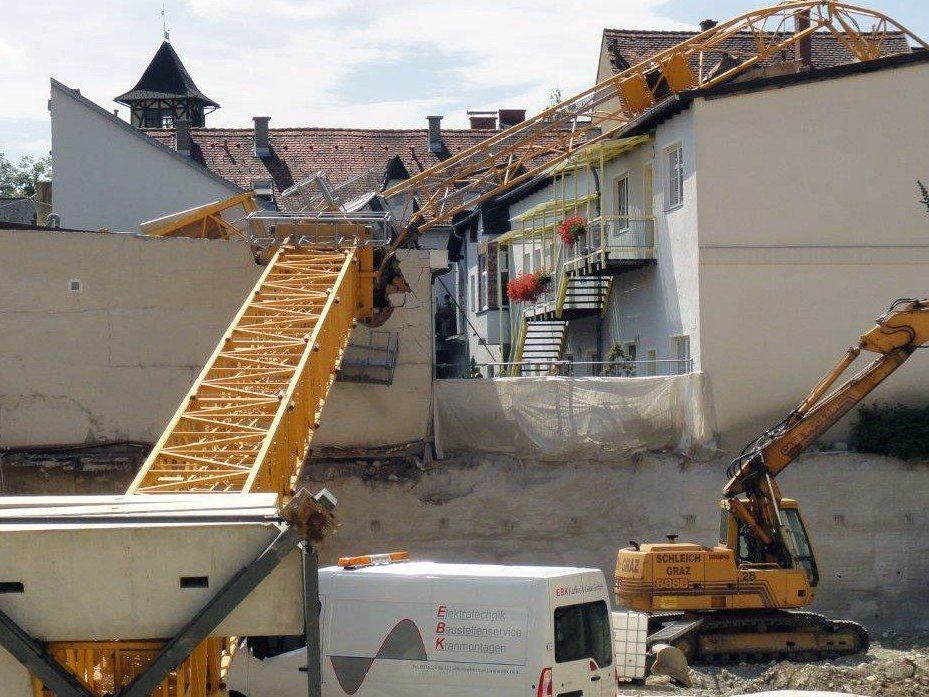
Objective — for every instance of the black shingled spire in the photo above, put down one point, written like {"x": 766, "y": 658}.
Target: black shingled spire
{"x": 166, "y": 93}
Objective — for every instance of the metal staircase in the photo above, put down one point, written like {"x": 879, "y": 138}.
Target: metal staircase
{"x": 583, "y": 296}
{"x": 542, "y": 344}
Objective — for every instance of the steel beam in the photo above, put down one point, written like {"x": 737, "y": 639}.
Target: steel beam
{"x": 215, "y": 611}
{"x": 33, "y": 656}
{"x": 311, "y": 619}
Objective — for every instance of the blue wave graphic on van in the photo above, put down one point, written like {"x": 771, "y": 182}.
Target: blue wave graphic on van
{"x": 403, "y": 643}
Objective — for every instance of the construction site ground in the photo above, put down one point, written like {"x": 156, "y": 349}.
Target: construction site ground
{"x": 897, "y": 665}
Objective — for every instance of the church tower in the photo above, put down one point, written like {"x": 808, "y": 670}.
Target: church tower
{"x": 166, "y": 94}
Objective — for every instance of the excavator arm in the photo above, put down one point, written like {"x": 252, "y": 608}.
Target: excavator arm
{"x": 752, "y": 492}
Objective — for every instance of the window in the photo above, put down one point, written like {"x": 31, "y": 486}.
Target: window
{"x": 167, "y": 118}
{"x": 675, "y": 191}
{"x": 473, "y": 286}
{"x": 527, "y": 260}
{"x": 631, "y": 349}
{"x": 622, "y": 203}
{"x": 682, "y": 353}
{"x": 482, "y": 281}
{"x": 799, "y": 544}
{"x": 651, "y": 368}
{"x": 537, "y": 259}
{"x": 583, "y": 632}
{"x": 151, "y": 118}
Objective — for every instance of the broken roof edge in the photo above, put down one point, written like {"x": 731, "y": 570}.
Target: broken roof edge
{"x": 76, "y": 96}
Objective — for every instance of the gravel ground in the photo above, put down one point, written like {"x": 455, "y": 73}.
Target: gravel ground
{"x": 897, "y": 665}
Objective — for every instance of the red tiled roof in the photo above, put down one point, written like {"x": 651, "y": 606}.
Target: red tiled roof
{"x": 626, "y": 47}
{"x": 298, "y": 153}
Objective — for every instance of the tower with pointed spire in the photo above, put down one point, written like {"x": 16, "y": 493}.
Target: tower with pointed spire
{"x": 166, "y": 94}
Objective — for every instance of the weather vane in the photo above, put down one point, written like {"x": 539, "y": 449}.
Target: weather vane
{"x": 164, "y": 22}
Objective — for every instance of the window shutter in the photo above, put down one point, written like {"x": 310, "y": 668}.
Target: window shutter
{"x": 492, "y": 277}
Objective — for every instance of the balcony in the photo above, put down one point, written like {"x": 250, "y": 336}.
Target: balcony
{"x": 612, "y": 244}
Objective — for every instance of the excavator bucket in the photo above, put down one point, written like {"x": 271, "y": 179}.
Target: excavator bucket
{"x": 671, "y": 662}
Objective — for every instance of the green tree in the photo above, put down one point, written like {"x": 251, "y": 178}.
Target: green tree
{"x": 19, "y": 179}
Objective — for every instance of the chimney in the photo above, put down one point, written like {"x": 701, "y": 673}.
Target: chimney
{"x": 435, "y": 134}
{"x": 510, "y": 117}
{"x": 182, "y": 136}
{"x": 262, "y": 140}
{"x": 482, "y": 120}
{"x": 804, "y": 47}
{"x": 708, "y": 24}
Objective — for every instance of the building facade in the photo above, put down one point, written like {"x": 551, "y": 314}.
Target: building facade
{"x": 750, "y": 231}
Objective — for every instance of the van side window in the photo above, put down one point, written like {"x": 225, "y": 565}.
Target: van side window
{"x": 582, "y": 632}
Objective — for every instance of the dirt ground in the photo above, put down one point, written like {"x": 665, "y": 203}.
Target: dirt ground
{"x": 897, "y": 665}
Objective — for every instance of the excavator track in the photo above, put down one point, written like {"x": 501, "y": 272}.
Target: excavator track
{"x": 767, "y": 635}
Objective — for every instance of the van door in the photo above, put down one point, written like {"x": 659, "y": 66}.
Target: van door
{"x": 583, "y": 651}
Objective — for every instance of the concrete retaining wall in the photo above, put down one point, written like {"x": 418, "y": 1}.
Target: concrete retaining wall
{"x": 866, "y": 515}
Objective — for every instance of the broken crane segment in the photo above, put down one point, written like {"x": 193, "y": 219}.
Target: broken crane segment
{"x": 247, "y": 423}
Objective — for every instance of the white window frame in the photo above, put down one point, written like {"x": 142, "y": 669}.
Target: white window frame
{"x": 682, "y": 365}
{"x": 674, "y": 162}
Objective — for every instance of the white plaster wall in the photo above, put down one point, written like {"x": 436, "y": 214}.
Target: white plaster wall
{"x": 655, "y": 303}
{"x": 833, "y": 162}
{"x": 109, "y": 177}
{"x": 809, "y": 228}
{"x": 113, "y": 361}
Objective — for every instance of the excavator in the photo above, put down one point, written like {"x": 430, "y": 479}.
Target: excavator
{"x": 741, "y": 598}
{"x": 247, "y": 422}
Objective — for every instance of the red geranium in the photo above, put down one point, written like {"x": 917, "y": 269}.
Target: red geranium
{"x": 572, "y": 228}
{"x": 526, "y": 287}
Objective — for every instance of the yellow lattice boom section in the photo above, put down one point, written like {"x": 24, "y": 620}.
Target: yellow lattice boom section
{"x": 247, "y": 422}
{"x": 519, "y": 153}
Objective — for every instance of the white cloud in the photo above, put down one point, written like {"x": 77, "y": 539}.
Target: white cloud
{"x": 310, "y": 62}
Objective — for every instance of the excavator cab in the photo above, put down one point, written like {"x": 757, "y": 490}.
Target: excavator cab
{"x": 749, "y": 552}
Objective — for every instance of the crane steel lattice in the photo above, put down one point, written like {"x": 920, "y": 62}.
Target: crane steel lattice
{"x": 247, "y": 422}
{"x": 529, "y": 148}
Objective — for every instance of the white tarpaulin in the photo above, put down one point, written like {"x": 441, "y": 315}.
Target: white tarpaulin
{"x": 560, "y": 418}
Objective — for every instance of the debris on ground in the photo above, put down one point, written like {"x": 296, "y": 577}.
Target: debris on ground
{"x": 896, "y": 667}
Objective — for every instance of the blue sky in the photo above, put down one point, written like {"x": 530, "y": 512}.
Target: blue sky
{"x": 329, "y": 62}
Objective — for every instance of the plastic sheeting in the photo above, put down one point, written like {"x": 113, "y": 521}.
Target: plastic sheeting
{"x": 560, "y": 418}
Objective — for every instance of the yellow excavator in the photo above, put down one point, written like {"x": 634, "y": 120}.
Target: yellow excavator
{"x": 740, "y": 598}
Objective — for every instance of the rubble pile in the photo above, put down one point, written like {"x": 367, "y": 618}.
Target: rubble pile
{"x": 896, "y": 674}
{"x": 906, "y": 675}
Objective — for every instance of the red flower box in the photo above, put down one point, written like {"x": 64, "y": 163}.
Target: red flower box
{"x": 572, "y": 228}
{"x": 527, "y": 287}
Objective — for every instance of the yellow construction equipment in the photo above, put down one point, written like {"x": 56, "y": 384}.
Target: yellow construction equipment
{"x": 247, "y": 422}
{"x": 735, "y": 599}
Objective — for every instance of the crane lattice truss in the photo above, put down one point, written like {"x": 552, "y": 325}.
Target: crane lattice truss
{"x": 247, "y": 422}
{"x": 527, "y": 149}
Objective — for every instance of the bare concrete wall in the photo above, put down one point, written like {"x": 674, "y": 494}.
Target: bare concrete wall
{"x": 866, "y": 516}
{"x": 113, "y": 360}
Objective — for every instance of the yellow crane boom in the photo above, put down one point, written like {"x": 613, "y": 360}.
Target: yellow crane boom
{"x": 247, "y": 422}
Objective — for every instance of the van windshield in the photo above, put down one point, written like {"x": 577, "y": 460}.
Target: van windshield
{"x": 582, "y": 632}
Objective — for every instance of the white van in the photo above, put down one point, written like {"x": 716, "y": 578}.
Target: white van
{"x": 421, "y": 629}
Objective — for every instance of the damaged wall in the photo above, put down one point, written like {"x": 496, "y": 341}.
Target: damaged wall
{"x": 111, "y": 359}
